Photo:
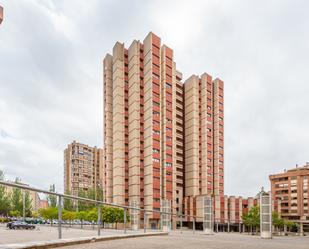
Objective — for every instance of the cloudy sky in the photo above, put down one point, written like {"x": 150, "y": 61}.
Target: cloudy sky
{"x": 51, "y": 78}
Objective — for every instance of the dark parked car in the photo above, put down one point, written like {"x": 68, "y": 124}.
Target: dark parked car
{"x": 19, "y": 225}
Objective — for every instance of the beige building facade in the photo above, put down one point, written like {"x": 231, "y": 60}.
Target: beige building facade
{"x": 33, "y": 196}
{"x": 143, "y": 126}
{"x": 163, "y": 139}
{"x": 82, "y": 168}
{"x": 204, "y": 142}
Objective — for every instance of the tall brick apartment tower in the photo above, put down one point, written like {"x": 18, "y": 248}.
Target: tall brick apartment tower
{"x": 157, "y": 132}
{"x": 204, "y": 143}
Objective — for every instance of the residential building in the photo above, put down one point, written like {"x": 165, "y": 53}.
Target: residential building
{"x": 33, "y": 196}
{"x": 229, "y": 214}
{"x": 82, "y": 168}
{"x": 204, "y": 143}
{"x": 163, "y": 140}
{"x": 290, "y": 193}
{"x": 43, "y": 204}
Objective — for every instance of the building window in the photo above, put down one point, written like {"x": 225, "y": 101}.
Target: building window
{"x": 155, "y": 151}
{"x": 156, "y": 103}
{"x": 155, "y": 76}
{"x": 156, "y": 132}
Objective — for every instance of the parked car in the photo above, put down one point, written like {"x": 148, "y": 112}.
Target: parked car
{"x": 20, "y": 225}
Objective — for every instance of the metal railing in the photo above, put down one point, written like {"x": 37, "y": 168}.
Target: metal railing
{"x": 99, "y": 205}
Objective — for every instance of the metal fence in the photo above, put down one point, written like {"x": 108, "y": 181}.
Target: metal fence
{"x": 165, "y": 216}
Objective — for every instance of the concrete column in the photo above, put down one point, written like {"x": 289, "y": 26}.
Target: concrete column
{"x": 265, "y": 215}
{"x": 59, "y": 217}
{"x": 125, "y": 220}
{"x": 301, "y": 229}
{"x": 193, "y": 225}
{"x": 181, "y": 224}
{"x": 145, "y": 221}
{"x": 99, "y": 220}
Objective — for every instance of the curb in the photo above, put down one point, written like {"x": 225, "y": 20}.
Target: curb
{"x": 75, "y": 241}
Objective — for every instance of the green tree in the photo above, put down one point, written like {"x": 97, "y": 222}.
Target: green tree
{"x": 16, "y": 198}
{"x": 292, "y": 226}
{"x": 82, "y": 216}
{"x": 278, "y": 222}
{"x": 68, "y": 215}
{"x": 52, "y": 199}
{"x": 108, "y": 215}
{"x": 5, "y": 203}
{"x": 92, "y": 215}
{"x": 91, "y": 193}
{"x": 252, "y": 218}
{"x": 119, "y": 213}
{"x": 99, "y": 193}
{"x": 14, "y": 213}
{"x": 35, "y": 215}
{"x": 83, "y": 205}
{"x": 68, "y": 203}
{"x": 289, "y": 223}
{"x": 49, "y": 213}
{"x": 28, "y": 206}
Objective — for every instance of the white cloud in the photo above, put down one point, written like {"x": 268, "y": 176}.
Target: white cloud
{"x": 51, "y": 78}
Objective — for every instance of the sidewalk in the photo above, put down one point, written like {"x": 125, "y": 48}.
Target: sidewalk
{"x": 76, "y": 241}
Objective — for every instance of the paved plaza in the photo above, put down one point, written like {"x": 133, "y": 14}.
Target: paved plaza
{"x": 45, "y": 233}
{"x": 187, "y": 240}
{"x": 177, "y": 240}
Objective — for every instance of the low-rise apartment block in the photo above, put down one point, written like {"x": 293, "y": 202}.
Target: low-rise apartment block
{"x": 290, "y": 193}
